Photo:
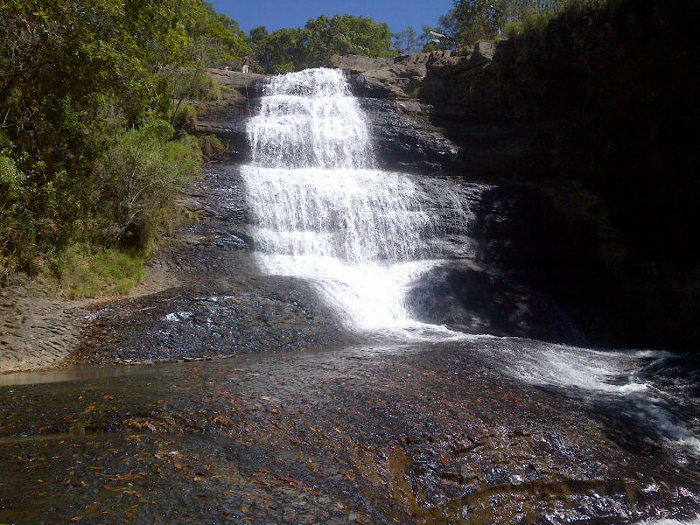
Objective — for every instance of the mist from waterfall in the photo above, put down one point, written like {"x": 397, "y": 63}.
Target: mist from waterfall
{"x": 322, "y": 211}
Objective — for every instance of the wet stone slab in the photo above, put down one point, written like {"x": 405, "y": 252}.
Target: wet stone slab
{"x": 414, "y": 434}
{"x": 196, "y": 321}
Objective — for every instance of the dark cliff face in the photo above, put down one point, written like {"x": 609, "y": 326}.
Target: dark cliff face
{"x": 587, "y": 233}
{"x": 540, "y": 237}
{"x": 588, "y": 130}
{"x": 617, "y": 87}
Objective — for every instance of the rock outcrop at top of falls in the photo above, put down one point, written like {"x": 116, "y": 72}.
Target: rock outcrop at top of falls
{"x": 226, "y": 116}
{"x": 416, "y": 76}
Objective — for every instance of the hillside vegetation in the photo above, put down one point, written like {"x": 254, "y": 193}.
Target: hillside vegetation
{"x": 312, "y": 45}
{"x": 90, "y": 150}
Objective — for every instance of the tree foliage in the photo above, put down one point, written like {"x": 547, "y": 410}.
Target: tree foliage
{"x": 472, "y": 20}
{"x": 314, "y": 44}
{"x": 79, "y": 81}
{"x": 219, "y": 39}
{"x": 137, "y": 177}
{"x": 406, "y": 41}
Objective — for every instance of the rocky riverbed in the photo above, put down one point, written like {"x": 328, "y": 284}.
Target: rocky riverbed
{"x": 304, "y": 422}
{"x": 371, "y": 434}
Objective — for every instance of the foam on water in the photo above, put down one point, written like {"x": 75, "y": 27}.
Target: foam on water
{"x": 694, "y": 521}
{"x": 613, "y": 375}
{"x": 568, "y": 366}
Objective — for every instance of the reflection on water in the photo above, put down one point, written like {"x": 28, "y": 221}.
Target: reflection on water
{"x": 68, "y": 374}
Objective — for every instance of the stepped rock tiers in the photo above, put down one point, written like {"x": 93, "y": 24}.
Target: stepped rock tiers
{"x": 322, "y": 210}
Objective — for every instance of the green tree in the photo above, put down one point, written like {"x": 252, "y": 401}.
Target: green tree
{"x": 477, "y": 19}
{"x": 324, "y": 37}
{"x": 430, "y": 42}
{"x": 406, "y": 41}
{"x": 262, "y": 52}
{"x": 75, "y": 77}
{"x": 286, "y": 48}
{"x": 314, "y": 44}
{"x": 218, "y": 39}
{"x": 472, "y": 20}
{"x": 136, "y": 180}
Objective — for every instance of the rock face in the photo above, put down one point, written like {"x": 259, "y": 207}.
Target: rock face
{"x": 432, "y": 87}
{"x": 359, "y": 63}
{"x": 245, "y": 83}
{"x": 451, "y": 80}
{"x": 552, "y": 261}
{"x": 406, "y": 142}
{"x": 226, "y": 117}
{"x": 476, "y": 300}
{"x": 36, "y": 328}
{"x": 414, "y": 106}
{"x": 434, "y": 77}
{"x": 401, "y": 77}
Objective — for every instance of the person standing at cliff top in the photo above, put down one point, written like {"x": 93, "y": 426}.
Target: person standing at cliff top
{"x": 244, "y": 69}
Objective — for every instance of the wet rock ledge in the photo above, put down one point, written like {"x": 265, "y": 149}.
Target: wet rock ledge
{"x": 212, "y": 301}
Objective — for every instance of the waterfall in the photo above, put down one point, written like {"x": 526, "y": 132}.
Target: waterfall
{"x": 322, "y": 211}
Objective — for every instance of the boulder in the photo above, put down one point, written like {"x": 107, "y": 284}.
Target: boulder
{"x": 449, "y": 78}
{"x": 404, "y": 143}
{"x": 359, "y": 63}
{"x": 247, "y": 84}
{"x": 466, "y": 297}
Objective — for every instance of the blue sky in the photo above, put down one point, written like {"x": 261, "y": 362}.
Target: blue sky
{"x": 275, "y": 14}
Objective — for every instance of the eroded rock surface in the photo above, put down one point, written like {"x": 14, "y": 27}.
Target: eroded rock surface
{"x": 436, "y": 434}
{"x": 38, "y": 329}
{"x": 218, "y": 302}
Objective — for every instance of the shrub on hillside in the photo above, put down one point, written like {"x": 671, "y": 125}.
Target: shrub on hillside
{"x": 185, "y": 118}
{"x": 211, "y": 146}
{"x": 138, "y": 177}
{"x": 204, "y": 87}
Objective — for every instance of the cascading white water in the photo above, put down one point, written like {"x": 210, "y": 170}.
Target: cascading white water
{"x": 323, "y": 212}
{"x": 310, "y": 120}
